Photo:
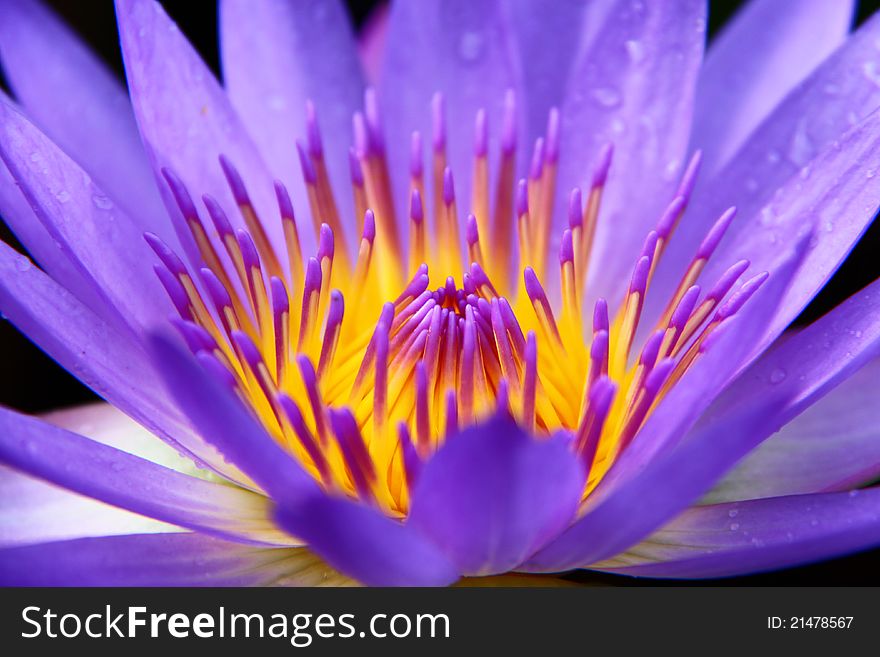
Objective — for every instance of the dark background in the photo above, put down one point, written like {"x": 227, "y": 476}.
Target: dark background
{"x": 33, "y": 383}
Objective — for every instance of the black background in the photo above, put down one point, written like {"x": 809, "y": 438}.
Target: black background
{"x": 32, "y": 382}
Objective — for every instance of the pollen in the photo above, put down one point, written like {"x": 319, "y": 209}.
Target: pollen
{"x": 364, "y": 357}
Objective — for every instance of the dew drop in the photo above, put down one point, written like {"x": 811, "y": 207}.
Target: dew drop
{"x": 470, "y": 46}
{"x": 734, "y": 526}
{"x": 853, "y": 493}
{"x": 777, "y": 376}
{"x": 23, "y": 263}
{"x": 814, "y": 523}
{"x": 872, "y": 72}
{"x": 102, "y": 202}
{"x": 606, "y": 97}
{"x": 63, "y": 196}
{"x": 636, "y": 50}
{"x": 733, "y": 513}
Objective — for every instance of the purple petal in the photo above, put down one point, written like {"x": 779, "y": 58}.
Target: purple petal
{"x": 633, "y": 87}
{"x": 224, "y": 422}
{"x": 658, "y": 475}
{"x": 762, "y": 53}
{"x": 78, "y": 102}
{"x": 804, "y": 367}
{"x": 362, "y": 543}
{"x": 833, "y": 445}
{"x": 107, "y": 361}
{"x": 838, "y": 204}
{"x": 493, "y": 495}
{"x": 641, "y": 504}
{"x": 372, "y": 36}
{"x": 787, "y": 150}
{"x": 20, "y": 217}
{"x": 276, "y": 56}
{"x": 160, "y": 560}
{"x": 459, "y": 48}
{"x": 548, "y": 36}
{"x": 112, "y": 476}
{"x": 746, "y": 537}
{"x": 99, "y": 239}
{"x": 32, "y": 511}
{"x": 185, "y": 118}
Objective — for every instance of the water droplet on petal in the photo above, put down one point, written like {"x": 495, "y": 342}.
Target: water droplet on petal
{"x": 734, "y": 526}
{"x": 470, "y": 46}
{"x": 606, "y": 97}
{"x": 871, "y": 71}
{"x": 63, "y": 196}
{"x": 102, "y": 202}
{"x": 733, "y": 513}
{"x": 23, "y": 263}
{"x": 636, "y": 50}
{"x": 777, "y": 376}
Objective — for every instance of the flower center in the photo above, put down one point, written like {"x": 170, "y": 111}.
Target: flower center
{"x": 362, "y": 366}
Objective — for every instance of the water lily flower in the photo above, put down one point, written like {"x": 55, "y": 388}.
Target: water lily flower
{"x": 513, "y": 304}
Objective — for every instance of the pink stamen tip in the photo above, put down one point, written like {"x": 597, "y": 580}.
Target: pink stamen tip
{"x": 566, "y": 250}
{"x": 480, "y": 278}
{"x": 481, "y": 134}
{"x": 600, "y": 315}
{"x": 533, "y": 286}
{"x": 657, "y": 377}
{"x": 601, "y": 395}
{"x": 369, "y": 232}
{"x": 727, "y": 280}
{"x": 552, "y": 153}
{"x": 218, "y": 293}
{"x": 508, "y": 124}
{"x": 354, "y": 168}
{"x": 448, "y": 187}
{"x": 181, "y": 195}
{"x": 438, "y": 122}
{"x": 599, "y": 347}
{"x": 472, "y": 234}
{"x": 689, "y": 178}
{"x": 354, "y": 450}
{"x": 575, "y": 208}
{"x": 285, "y": 205}
{"x": 361, "y": 135}
{"x": 326, "y": 247}
{"x": 175, "y": 291}
{"x": 412, "y": 463}
{"x": 639, "y": 282}
{"x": 670, "y": 216}
{"x": 305, "y": 162}
{"x": 739, "y": 298}
{"x": 416, "y": 211}
{"x": 451, "y": 413}
{"x": 606, "y": 155}
{"x": 218, "y": 216}
{"x": 650, "y": 245}
{"x": 416, "y": 164}
{"x": 197, "y": 339}
{"x": 502, "y": 405}
{"x": 511, "y": 323}
{"x": 280, "y": 302}
{"x": 416, "y": 288}
{"x": 721, "y": 329}
{"x": 537, "y": 165}
{"x": 651, "y": 348}
{"x": 294, "y": 416}
{"x": 522, "y": 198}
{"x": 313, "y": 278}
{"x": 685, "y": 307}
{"x": 165, "y": 254}
{"x": 313, "y": 132}
{"x": 248, "y": 349}
{"x": 336, "y": 308}
{"x": 374, "y": 121}
{"x": 248, "y": 249}
{"x": 423, "y": 431}
{"x": 713, "y": 237}
{"x": 234, "y": 180}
